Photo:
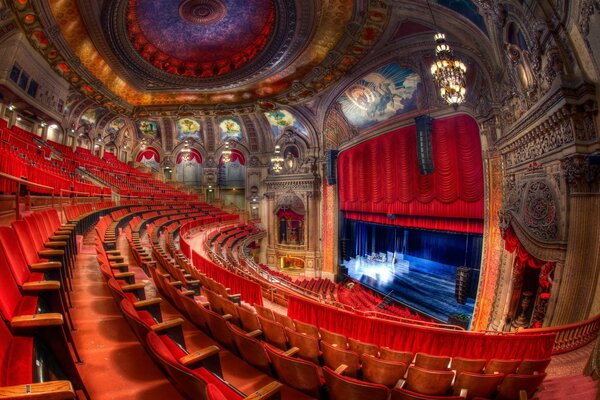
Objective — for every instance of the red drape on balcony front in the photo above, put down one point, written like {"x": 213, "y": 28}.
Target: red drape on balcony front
{"x": 250, "y": 291}
{"x": 408, "y": 337}
{"x": 381, "y": 177}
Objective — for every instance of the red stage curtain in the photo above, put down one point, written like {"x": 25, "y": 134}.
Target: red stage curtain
{"x": 381, "y": 175}
{"x": 407, "y": 337}
{"x": 289, "y": 214}
{"x": 148, "y": 153}
{"x": 524, "y": 259}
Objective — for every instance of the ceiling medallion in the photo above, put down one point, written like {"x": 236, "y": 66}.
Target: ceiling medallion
{"x": 202, "y": 12}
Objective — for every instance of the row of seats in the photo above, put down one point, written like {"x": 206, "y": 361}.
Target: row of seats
{"x": 37, "y": 351}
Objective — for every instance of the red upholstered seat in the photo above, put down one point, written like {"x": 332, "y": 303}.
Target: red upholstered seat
{"x": 342, "y": 387}
{"x": 16, "y": 259}
{"x": 16, "y": 356}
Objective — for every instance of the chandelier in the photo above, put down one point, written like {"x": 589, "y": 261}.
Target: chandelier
{"x": 277, "y": 160}
{"x": 226, "y": 153}
{"x": 449, "y": 73}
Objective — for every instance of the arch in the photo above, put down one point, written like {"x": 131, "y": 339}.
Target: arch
{"x": 192, "y": 155}
{"x": 148, "y": 153}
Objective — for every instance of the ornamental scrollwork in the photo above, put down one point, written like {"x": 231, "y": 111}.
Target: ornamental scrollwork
{"x": 540, "y": 211}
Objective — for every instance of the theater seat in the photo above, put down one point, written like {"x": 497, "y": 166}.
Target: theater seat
{"x": 248, "y": 319}
{"x": 342, "y": 387}
{"x": 477, "y": 385}
{"x": 406, "y": 357}
{"x": 502, "y": 366}
{"x": 273, "y": 332}
{"x": 403, "y": 394}
{"x": 428, "y": 382}
{"x": 380, "y": 371}
{"x": 333, "y": 338}
{"x": 459, "y": 365}
{"x": 531, "y": 367}
{"x": 334, "y": 356}
{"x": 271, "y": 391}
{"x": 299, "y": 374}
{"x": 251, "y": 349}
{"x": 308, "y": 329}
{"x": 361, "y": 348}
{"x": 519, "y": 386}
{"x": 428, "y": 361}
{"x": 308, "y": 345}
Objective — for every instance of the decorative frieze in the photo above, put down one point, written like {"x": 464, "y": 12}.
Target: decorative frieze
{"x": 580, "y": 175}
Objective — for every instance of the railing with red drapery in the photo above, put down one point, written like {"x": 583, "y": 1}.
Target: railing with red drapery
{"x": 381, "y": 177}
{"x": 407, "y": 337}
{"x": 250, "y": 291}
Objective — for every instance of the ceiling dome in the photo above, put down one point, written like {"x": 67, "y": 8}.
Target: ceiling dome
{"x": 200, "y": 38}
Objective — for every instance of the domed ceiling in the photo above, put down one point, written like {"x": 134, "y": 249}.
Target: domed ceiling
{"x": 138, "y": 54}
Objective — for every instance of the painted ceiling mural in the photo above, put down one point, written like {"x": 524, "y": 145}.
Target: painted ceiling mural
{"x": 147, "y": 129}
{"x": 279, "y": 120}
{"x": 188, "y": 128}
{"x": 230, "y": 128}
{"x": 90, "y": 116}
{"x": 171, "y": 46}
{"x": 200, "y": 37}
{"x": 115, "y": 127}
{"x": 390, "y": 90}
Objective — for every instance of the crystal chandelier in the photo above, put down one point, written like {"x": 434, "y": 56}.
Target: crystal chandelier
{"x": 449, "y": 73}
{"x": 226, "y": 154}
{"x": 277, "y": 160}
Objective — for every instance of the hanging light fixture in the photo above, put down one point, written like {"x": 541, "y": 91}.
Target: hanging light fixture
{"x": 277, "y": 160}
{"x": 226, "y": 153}
{"x": 449, "y": 73}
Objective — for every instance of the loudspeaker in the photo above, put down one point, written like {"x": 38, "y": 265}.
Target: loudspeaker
{"x": 331, "y": 157}
{"x": 424, "y": 149}
{"x": 462, "y": 284}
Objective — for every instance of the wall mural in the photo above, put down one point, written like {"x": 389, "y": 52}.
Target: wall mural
{"x": 115, "y": 127}
{"x": 188, "y": 128}
{"x": 230, "y": 128}
{"x": 282, "y": 119}
{"x": 147, "y": 129}
{"x": 467, "y": 9}
{"x": 390, "y": 90}
{"x": 90, "y": 116}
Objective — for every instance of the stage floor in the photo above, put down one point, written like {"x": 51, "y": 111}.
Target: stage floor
{"x": 423, "y": 285}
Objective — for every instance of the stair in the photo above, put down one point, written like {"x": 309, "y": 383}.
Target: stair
{"x": 569, "y": 387}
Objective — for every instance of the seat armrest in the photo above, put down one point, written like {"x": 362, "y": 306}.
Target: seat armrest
{"x": 132, "y": 287}
{"x": 123, "y": 275}
{"x": 45, "y": 266}
{"x": 164, "y": 326}
{"x": 194, "y": 358}
{"x": 291, "y": 352}
{"x": 51, "y": 253}
{"x": 522, "y": 395}
{"x": 55, "y": 245}
{"x": 401, "y": 383}
{"x": 55, "y": 237}
{"x": 36, "y": 321}
{"x": 267, "y": 392}
{"x": 142, "y": 304}
{"x": 341, "y": 369}
{"x": 53, "y": 390}
{"x": 255, "y": 333}
{"x": 39, "y": 286}
{"x": 227, "y": 317}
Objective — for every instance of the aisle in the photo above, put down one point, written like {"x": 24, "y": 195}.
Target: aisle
{"x": 115, "y": 365}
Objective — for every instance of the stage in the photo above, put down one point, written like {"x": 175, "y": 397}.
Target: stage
{"x": 421, "y": 284}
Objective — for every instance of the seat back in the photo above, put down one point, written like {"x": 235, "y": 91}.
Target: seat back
{"x": 10, "y": 295}
{"x": 284, "y": 320}
{"x": 264, "y": 312}
{"x": 428, "y": 361}
{"x": 308, "y": 329}
{"x": 341, "y": 387}
{"x": 14, "y": 256}
{"x": 139, "y": 325}
{"x": 477, "y": 385}
{"x": 514, "y": 383}
{"x": 494, "y": 366}
{"x": 429, "y": 382}
{"x": 530, "y": 367}
{"x": 299, "y": 374}
{"x": 190, "y": 383}
{"x": 406, "y": 357}
{"x": 333, "y": 357}
{"x": 459, "y": 365}
{"x": 380, "y": 371}
{"x": 248, "y": 319}
{"x": 361, "y": 348}
{"x": 36, "y": 230}
{"x": 195, "y": 312}
{"x": 403, "y": 394}
{"x": 218, "y": 329}
{"x": 250, "y": 349}
{"x": 333, "y": 338}
{"x": 308, "y": 345}
{"x": 28, "y": 247}
{"x": 273, "y": 332}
